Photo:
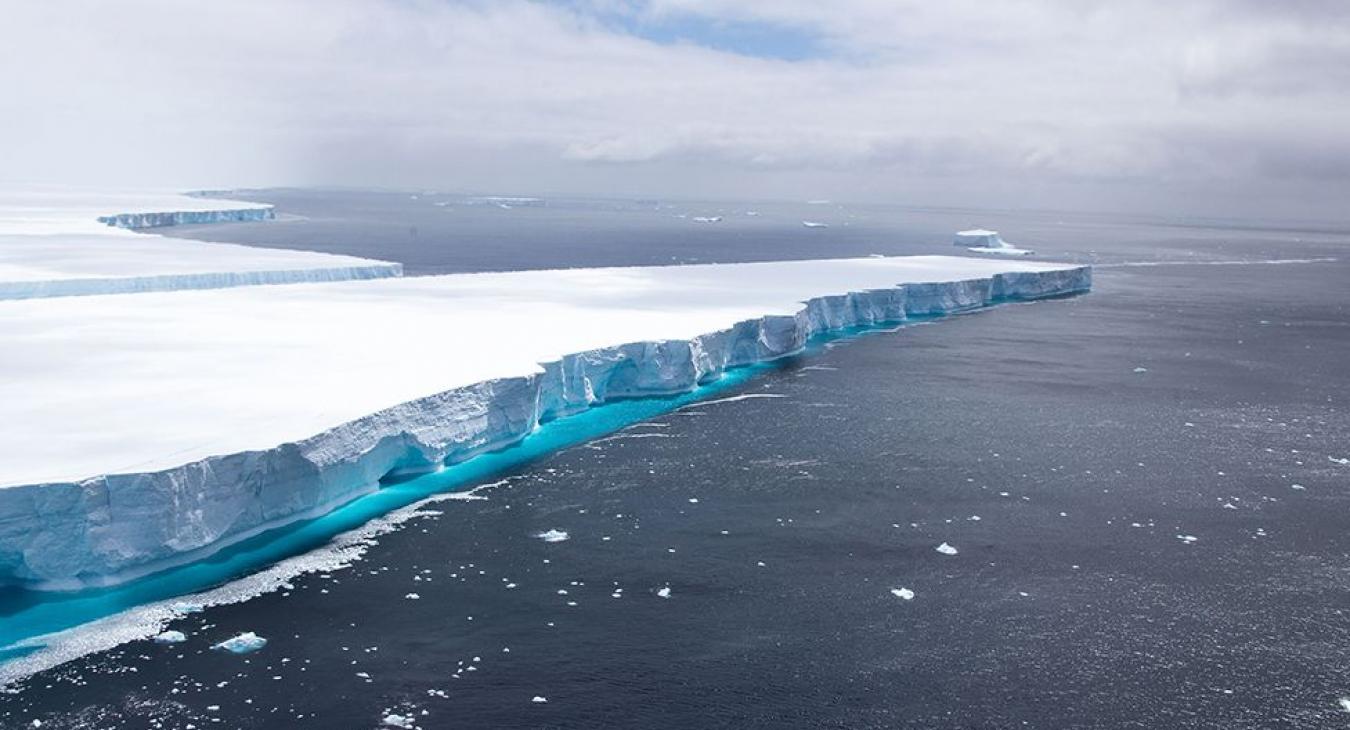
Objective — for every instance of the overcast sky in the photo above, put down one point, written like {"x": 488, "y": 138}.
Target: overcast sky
{"x": 1201, "y": 107}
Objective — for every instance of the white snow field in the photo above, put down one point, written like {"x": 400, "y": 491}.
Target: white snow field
{"x": 138, "y": 429}
{"x": 61, "y": 242}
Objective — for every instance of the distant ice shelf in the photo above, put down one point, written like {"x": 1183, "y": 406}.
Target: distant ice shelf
{"x": 57, "y": 242}
{"x": 137, "y": 430}
{"x": 979, "y": 240}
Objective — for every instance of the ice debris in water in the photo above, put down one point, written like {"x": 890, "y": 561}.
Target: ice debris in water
{"x": 1188, "y": 539}
{"x": 539, "y": 699}
{"x": 170, "y": 637}
{"x": 1342, "y": 462}
{"x": 1345, "y": 703}
{"x": 412, "y": 597}
{"x": 664, "y": 592}
{"x": 903, "y": 593}
{"x": 946, "y": 549}
{"x": 554, "y": 535}
{"x": 398, "y": 721}
{"x": 1141, "y": 370}
{"x": 244, "y": 643}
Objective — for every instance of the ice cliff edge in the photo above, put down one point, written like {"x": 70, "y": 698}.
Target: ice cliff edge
{"x": 61, "y": 242}
{"x": 110, "y": 527}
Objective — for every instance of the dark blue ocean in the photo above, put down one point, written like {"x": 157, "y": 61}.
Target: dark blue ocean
{"x": 1147, "y": 488}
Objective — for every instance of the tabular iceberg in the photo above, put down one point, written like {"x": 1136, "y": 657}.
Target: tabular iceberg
{"x": 57, "y": 243}
{"x": 208, "y": 416}
{"x": 980, "y": 240}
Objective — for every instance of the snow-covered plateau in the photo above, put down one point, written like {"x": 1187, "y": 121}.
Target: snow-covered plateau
{"x": 137, "y": 431}
{"x": 62, "y": 242}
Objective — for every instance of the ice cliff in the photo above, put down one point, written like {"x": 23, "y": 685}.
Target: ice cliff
{"x": 187, "y": 217}
{"x": 62, "y": 243}
{"x": 114, "y": 526}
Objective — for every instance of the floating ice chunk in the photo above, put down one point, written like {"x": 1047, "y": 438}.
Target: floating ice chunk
{"x": 539, "y": 699}
{"x": 412, "y": 597}
{"x": 903, "y": 593}
{"x": 245, "y": 643}
{"x": 398, "y": 721}
{"x": 815, "y": 224}
{"x": 693, "y": 500}
{"x": 553, "y": 536}
{"x": 979, "y": 240}
{"x": 946, "y": 549}
{"x": 1344, "y": 703}
{"x": 1299, "y": 487}
{"x": 170, "y": 637}
{"x": 1141, "y": 370}
{"x": 1342, "y": 462}
{"x": 708, "y": 218}
{"x": 1188, "y": 539}
{"x": 664, "y": 592}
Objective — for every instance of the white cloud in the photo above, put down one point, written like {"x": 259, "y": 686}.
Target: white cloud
{"x": 912, "y": 100}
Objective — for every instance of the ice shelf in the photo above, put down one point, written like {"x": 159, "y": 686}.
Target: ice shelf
{"x": 135, "y": 429}
{"x": 59, "y": 242}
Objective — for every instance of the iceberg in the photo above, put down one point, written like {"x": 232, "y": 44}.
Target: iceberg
{"x": 980, "y": 240}
{"x": 245, "y": 643}
{"x": 169, "y": 637}
{"x": 63, "y": 243}
{"x": 142, "y": 431}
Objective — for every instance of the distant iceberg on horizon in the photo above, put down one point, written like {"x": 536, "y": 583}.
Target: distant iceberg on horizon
{"x": 980, "y": 240}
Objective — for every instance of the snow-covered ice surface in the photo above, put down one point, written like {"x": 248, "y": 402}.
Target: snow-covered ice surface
{"x": 59, "y": 242}
{"x": 140, "y": 429}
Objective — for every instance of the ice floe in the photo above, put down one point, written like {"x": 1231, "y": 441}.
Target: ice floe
{"x": 170, "y": 637}
{"x": 245, "y": 643}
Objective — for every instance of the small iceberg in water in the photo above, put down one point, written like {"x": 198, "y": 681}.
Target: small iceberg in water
{"x": 553, "y": 536}
{"x": 815, "y": 224}
{"x": 245, "y": 643}
{"x": 980, "y": 240}
{"x": 169, "y": 637}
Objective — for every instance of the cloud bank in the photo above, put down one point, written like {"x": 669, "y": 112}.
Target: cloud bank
{"x": 1210, "y": 106}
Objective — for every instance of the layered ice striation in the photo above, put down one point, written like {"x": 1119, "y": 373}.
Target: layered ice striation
{"x": 61, "y": 242}
{"x": 159, "y": 219}
{"x": 265, "y": 405}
